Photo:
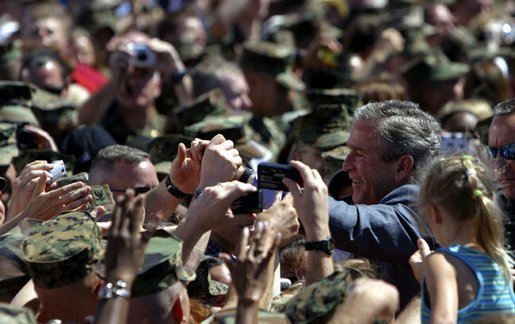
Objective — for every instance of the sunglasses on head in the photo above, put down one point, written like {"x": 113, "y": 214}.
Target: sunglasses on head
{"x": 507, "y": 151}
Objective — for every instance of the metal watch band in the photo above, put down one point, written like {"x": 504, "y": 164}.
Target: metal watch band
{"x": 118, "y": 289}
{"x": 173, "y": 190}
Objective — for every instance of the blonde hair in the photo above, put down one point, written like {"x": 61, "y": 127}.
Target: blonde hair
{"x": 462, "y": 186}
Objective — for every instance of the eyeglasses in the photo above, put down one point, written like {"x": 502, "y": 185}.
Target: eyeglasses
{"x": 507, "y": 151}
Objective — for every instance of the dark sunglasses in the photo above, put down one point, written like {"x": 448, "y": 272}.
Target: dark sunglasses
{"x": 137, "y": 190}
{"x": 507, "y": 151}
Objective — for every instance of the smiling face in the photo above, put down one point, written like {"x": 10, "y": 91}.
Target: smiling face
{"x": 502, "y": 132}
{"x": 372, "y": 177}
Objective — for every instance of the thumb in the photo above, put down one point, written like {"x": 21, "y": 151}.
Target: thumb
{"x": 181, "y": 152}
{"x": 423, "y": 247}
{"x": 40, "y": 186}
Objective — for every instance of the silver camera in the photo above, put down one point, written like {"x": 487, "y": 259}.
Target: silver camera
{"x": 58, "y": 170}
{"x": 142, "y": 55}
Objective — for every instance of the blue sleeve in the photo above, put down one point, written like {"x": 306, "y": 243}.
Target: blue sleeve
{"x": 383, "y": 232}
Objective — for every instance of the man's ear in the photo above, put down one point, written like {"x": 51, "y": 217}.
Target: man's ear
{"x": 405, "y": 166}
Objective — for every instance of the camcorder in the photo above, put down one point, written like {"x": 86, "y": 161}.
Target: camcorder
{"x": 269, "y": 181}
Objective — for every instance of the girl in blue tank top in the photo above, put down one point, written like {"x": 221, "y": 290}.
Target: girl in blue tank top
{"x": 468, "y": 278}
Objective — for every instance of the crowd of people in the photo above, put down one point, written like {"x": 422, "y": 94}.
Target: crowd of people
{"x": 132, "y": 135}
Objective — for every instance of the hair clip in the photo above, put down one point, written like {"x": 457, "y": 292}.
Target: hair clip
{"x": 477, "y": 193}
{"x": 467, "y": 157}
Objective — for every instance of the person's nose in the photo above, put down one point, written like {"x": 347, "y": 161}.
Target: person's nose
{"x": 348, "y": 163}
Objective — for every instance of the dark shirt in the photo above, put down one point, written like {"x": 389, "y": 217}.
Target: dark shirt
{"x": 385, "y": 233}
{"x": 508, "y": 208}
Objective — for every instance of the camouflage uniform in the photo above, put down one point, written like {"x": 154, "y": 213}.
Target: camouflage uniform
{"x": 16, "y": 315}
{"x": 162, "y": 266}
{"x": 63, "y": 250}
{"x": 113, "y": 122}
{"x": 163, "y": 150}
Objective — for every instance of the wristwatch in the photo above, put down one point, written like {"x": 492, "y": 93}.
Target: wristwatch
{"x": 118, "y": 289}
{"x": 326, "y": 246}
{"x": 173, "y": 190}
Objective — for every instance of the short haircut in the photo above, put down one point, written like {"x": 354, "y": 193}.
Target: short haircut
{"x": 505, "y": 108}
{"x": 209, "y": 73}
{"x": 39, "y": 58}
{"x": 403, "y": 129}
{"x": 108, "y": 156}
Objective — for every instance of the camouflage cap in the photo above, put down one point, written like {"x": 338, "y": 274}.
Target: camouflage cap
{"x": 329, "y": 141}
{"x": 322, "y": 120}
{"x": 8, "y": 148}
{"x": 55, "y": 114}
{"x": 27, "y": 156}
{"x": 480, "y": 108}
{"x": 317, "y": 302}
{"x": 204, "y": 287}
{"x": 209, "y": 104}
{"x": 15, "y": 92}
{"x": 273, "y": 59}
{"x": 18, "y": 114}
{"x": 228, "y": 316}
{"x": 97, "y": 18}
{"x": 340, "y": 96}
{"x": 14, "y": 273}
{"x": 425, "y": 70}
{"x": 162, "y": 266}
{"x": 16, "y": 315}
{"x": 163, "y": 150}
{"x": 334, "y": 159}
{"x": 63, "y": 250}
{"x": 231, "y": 127}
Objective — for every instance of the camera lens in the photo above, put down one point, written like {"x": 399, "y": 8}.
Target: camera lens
{"x": 24, "y": 139}
{"x": 142, "y": 56}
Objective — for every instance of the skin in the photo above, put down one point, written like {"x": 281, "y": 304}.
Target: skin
{"x": 462, "y": 121}
{"x": 372, "y": 178}
{"x": 236, "y": 92}
{"x": 142, "y": 174}
{"x": 84, "y": 50}
{"x": 45, "y": 76}
{"x": 308, "y": 155}
{"x": 49, "y": 31}
{"x": 267, "y": 96}
{"x": 502, "y": 132}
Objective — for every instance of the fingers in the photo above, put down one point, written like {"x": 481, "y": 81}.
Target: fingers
{"x": 244, "y": 239}
{"x": 218, "y": 139}
{"x": 423, "y": 247}
{"x": 40, "y": 186}
{"x": 138, "y": 214}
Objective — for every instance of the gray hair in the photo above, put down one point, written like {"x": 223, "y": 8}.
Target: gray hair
{"x": 505, "y": 108}
{"x": 403, "y": 129}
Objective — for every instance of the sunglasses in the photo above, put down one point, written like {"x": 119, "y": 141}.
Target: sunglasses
{"x": 137, "y": 190}
{"x": 507, "y": 151}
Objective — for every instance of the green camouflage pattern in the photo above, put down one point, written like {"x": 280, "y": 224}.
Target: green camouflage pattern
{"x": 322, "y": 120}
{"x": 18, "y": 114}
{"x": 330, "y": 141}
{"x": 318, "y": 301}
{"x": 27, "y": 156}
{"x": 162, "y": 266}
{"x": 14, "y": 273}
{"x": 336, "y": 96}
{"x": 280, "y": 300}
{"x": 273, "y": 59}
{"x": 15, "y": 93}
{"x": 63, "y": 250}
{"x": 209, "y": 104}
{"x": 8, "y": 148}
{"x": 15, "y": 315}
{"x": 268, "y": 133}
{"x": 334, "y": 159}
{"x": 231, "y": 127}
{"x": 480, "y": 108}
{"x": 164, "y": 148}
{"x": 427, "y": 70}
{"x": 229, "y": 317}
